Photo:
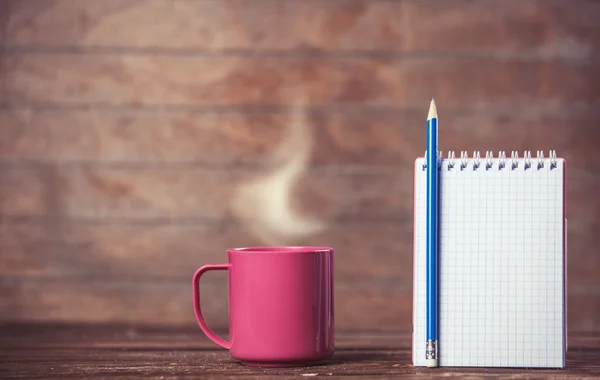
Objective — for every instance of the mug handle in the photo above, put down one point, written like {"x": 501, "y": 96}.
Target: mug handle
{"x": 196, "y": 291}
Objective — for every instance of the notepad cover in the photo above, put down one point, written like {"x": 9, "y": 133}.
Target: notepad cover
{"x": 502, "y": 263}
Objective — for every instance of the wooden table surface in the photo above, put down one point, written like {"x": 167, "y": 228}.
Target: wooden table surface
{"x": 109, "y": 351}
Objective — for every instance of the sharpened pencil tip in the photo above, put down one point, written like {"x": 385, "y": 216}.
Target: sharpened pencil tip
{"x": 432, "y": 110}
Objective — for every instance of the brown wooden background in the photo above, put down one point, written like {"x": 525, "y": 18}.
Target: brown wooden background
{"x": 131, "y": 132}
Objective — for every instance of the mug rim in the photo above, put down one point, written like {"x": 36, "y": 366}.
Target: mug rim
{"x": 281, "y": 249}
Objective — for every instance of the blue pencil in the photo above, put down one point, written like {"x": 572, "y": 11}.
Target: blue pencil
{"x": 431, "y": 353}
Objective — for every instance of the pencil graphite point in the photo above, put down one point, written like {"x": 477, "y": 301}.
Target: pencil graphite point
{"x": 432, "y": 110}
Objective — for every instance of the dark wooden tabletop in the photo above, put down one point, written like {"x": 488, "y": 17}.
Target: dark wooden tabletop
{"x": 81, "y": 351}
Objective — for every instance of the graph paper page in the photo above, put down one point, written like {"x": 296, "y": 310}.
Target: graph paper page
{"x": 501, "y": 265}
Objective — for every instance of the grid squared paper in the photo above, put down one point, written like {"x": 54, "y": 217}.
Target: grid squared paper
{"x": 501, "y": 264}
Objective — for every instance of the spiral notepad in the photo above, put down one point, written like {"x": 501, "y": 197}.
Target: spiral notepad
{"x": 502, "y": 261}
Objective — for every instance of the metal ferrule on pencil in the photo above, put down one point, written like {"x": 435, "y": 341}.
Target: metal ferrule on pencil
{"x": 431, "y": 350}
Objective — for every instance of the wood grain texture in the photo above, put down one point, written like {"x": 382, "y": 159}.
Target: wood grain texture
{"x": 111, "y": 299}
{"x": 127, "y": 125}
{"x": 368, "y": 304}
{"x": 532, "y": 28}
{"x": 5, "y": 12}
{"x": 241, "y": 137}
{"x": 76, "y": 249}
{"x": 152, "y": 301}
{"x": 72, "y": 248}
{"x": 195, "y": 193}
{"x": 583, "y": 308}
{"x": 79, "y": 227}
{"x": 199, "y": 137}
{"x": 546, "y": 28}
{"x": 124, "y": 351}
{"x": 234, "y": 81}
{"x": 184, "y": 193}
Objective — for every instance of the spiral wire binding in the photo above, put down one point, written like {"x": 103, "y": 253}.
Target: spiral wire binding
{"x": 450, "y": 159}
{"x": 439, "y": 160}
{"x": 514, "y": 157}
{"x": 476, "y": 159}
{"x": 464, "y": 158}
{"x": 527, "y": 159}
{"x": 502, "y": 159}
{"x": 552, "y": 159}
{"x": 489, "y": 157}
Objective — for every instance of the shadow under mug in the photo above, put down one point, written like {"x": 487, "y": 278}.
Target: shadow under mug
{"x": 280, "y": 305}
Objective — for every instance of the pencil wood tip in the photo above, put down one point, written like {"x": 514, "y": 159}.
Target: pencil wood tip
{"x": 432, "y": 110}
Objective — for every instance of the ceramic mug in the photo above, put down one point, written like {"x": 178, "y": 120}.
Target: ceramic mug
{"x": 280, "y": 305}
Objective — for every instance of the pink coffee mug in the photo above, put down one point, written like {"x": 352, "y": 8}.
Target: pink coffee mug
{"x": 280, "y": 305}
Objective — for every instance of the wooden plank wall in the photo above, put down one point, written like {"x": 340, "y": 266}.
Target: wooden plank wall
{"x": 140, "y": 139}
